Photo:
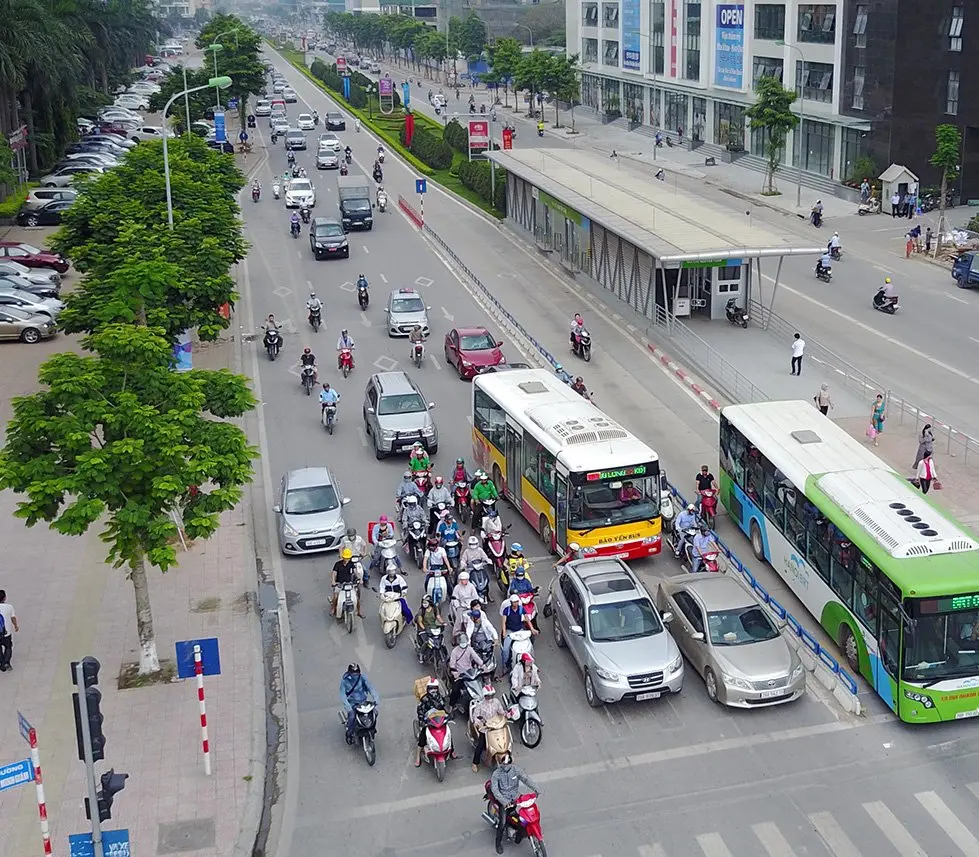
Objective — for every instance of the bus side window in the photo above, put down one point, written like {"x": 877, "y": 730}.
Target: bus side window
{"x": 841, "y": 569}
{"x": 489, "y": 419}
{"x": 864, "y": 603}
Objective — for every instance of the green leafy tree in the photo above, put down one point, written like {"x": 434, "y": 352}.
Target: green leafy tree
{"x": 948, "y": 158}
{"x": 119, "y": 439}
{"x": 564, "y": 83}
{"x": 504, "y": 58}
{"x": 472, "y": 36}
{"x": 8, "y": 175}
{"x": 772, "y": 112}
{"x": 134, "y": 268}
{"x": 237, "y": 59}
{"x": 533, "y": 73}
{"x": 199, "y": 102}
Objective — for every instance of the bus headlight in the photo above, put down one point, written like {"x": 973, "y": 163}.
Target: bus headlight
{"x": 926, "y": 701}
{"x": 590, "y": 551}
{"x": 651, "y": 540}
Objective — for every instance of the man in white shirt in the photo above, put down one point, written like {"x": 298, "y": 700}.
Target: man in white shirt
{"x": 798, "y": 347}
{"x": 8, "y": 624}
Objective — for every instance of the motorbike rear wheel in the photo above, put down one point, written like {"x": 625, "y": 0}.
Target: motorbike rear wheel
{"x": 348, "y": 620}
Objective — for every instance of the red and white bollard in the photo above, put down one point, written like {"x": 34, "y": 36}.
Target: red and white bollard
{"x": 199, "y": 671}
{"x": 42, "y": 807}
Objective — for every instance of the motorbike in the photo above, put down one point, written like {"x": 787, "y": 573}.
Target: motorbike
{"x": 522, "y": 710}
{"x": 835, "y": 253}
{"x": 273, "y": 342}
{"x": 276, "y": 191}
{"x": 418, "y": 353}
{"x": 529, "y": 605}
{"x": 382, "y": 202}
{"x": 884, "y": 303}
{"x": 499, "y": 741}
{"x": 346, "y": 361}
{"x": 330, "y": 417}
{"x": 461, "y": 494}
{"x": 494, "y": 543}
{"x": 416, "y": 542}
{"x": 363, "y": 297}
{"x": 708, "y": 507}
{"x": 378, "y": 176}
{"x": 304, "y": 214}
{"x": 437, "y": 587}
{"x": 294, "y": 228}
{"x": 392, "y": 618}
{"x": 256, "y": 193}
{"x": 343, "y": 169}
{"x": 707, "y": 563}
{"x": 380, "y": 157}
{"x": 523, "y": 821}
{"x": 871, "y": 206}
{"x": 823, "y": 273}
{"x": 365, "y": 729}
{"x": 521, "y": 645}
{"x": 347, "y": 603}
{"x": 432, "y": 651}
{"x": 666, "y": 504}
{"x": 816, "y": 218}
{"x": 679, "y": 541}
{"x": 736, "y": 314}
{"x": 347, "y": 157}
{"x": 438, "y": 741}
{"x": 308, "y": 379}
{"x": 540, "y": 132}
{"x": 479, "y": 578}
{"x": 315, "y": 319}
{"x": 423, "y": 479}
{"x": 453, "y": 549}
{"x": 581, "y": 346}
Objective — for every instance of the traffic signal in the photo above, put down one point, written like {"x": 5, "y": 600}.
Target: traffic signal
{"x": 93, "y": 699}
{"x": 112, "y": 784}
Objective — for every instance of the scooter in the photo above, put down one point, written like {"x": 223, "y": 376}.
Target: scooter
{"x": 499, "y": 741}
{"x": 365, "y": 729}
{"x": 343, "y": 170}
{"x": 294, "y": 228}
{"x": 382, "y": 202}
{"x": 679, "y": 542}
{"x": 871, "y": 206}
{"x": 346, "y": 361}
{"x": 416, "y": 542}
{"x": 256, "y": 193}
{"x": 667, "y": 508}
{"x": 461, "y": 495}
{"x": 884, "y": 303}
{"x": 276, "y": 191}
{"x": 330, "y": 417}
{"x": 453, "y": 548}
{"x": 304, "y": 214}
{"x": 581, "y": 345}
{"x": 392, "y": 618}
{"x": 418, "y": 354}
{"x": 438, "y": 741}
{"x": 521, "y": 645}
{"x": 315, "y": 319}
{"x": 522, "y": 822}
{"x": 835, "y": 253}
{"x": 530, "y": 606}
{"x": 380, "y": 157}
{"x": 348, "y": 158}
{"x": 308, "y": 379}
{"x": 823, "y": 273}
{"x": 494, "y": 541}
{"x": 432, "y": 652}
{"x": 736, "y": 314}
{"x": 273, "y": 342}
{"x": 423, "y": 480}
{"x": 479, "y": 578}
{"x": 437, "y": 587}
{"x": 363, "y": 297}
{"x": 708, "y": 507}
{"x": 348, "y": 599}
{"x": 707, "y": 563}
{"x": 816, "y": 219}
{"x": 522, "y": 710}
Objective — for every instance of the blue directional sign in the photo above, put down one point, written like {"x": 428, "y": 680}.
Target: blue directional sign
{"x": 25, "y": 727}
{"x": 421, "y": 185}
{"x": 115, "y": 843}
{"x": 219, "y": 131}
{"x": 16, "y": 774}
{"x": 232, "y": 104}
{"x": 210, "y": 658}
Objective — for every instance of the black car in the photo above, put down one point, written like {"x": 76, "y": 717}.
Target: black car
{"x": 227, "y": 146}
{"x": 335, "y": 122}
{"x": 327, "y": 238}
{"x": 42, "y": 290}
{"x": 47, "y": 215}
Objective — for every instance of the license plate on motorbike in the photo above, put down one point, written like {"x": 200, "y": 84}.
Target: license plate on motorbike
{"x": 642, "y": 697}
{"x": 315, "y": 543}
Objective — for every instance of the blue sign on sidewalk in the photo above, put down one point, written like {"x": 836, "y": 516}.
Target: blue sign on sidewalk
{"x": 16, "y": 774}
{"x": 210, "y": 658}
{"x": 115, "y": 843}
{"x": 219, "y": 132}
{"x": 421, "y": 185}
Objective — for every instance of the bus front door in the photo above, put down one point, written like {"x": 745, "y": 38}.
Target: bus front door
{"x": 514, "y": 466}
{"x": 561, "y": 512}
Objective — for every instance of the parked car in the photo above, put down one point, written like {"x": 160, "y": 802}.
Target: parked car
{"x": 31, "y": 256}
{"x": 25, "y": 326}
{"x": 965, "y": 270}
{"x": 131, "y": 101}
{"x": 148, "y": 132}
{"x": 67, "y": 174}
{"x": 99, "y": 159}
{"x": 30, "y": 303}
{"x": 263, "y": 107}
{"x": 35, "y": 276}
{"x": 48, "y": 215}
{"x": 120, "y": 140}
{"x": 289, "y": 95}
{"x": 41, "y": 196}
{"x": 472, "y": 350}
{"x": 96, "y": 147}
{"x": 396, "y": 415}
{"x": 17, "y": 282}
{"x": 310, "y": 512}
{"x": 327, "y": 238}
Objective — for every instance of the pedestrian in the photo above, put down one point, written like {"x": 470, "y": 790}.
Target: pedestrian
{"x": 926, "y": 443}
{"x": 895, "y": 203}
{"x": 927, "y": 472}
{"x": 877, "y": 417}
{"x": 798, "y": 347}
{"x": 823, "y": 399}
{"x": 864, "y": 190}
{"x": 912, "y": 205}
{"x": 8, "y": 624}
{"x": 908, "y": 244}
{"x": 928, "y": 237}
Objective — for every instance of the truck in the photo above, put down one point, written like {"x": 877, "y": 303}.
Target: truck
{"x": 356, "y": 210}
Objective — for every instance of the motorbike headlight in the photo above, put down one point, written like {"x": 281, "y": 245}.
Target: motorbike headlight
{"x": 608, "y": 675}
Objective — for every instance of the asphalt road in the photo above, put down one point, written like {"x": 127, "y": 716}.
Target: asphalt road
{"x": 679, "y": 776}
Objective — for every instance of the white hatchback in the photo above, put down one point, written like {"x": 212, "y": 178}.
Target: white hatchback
{"x": 131, "y": 101}
{"x": 305, "y": 122}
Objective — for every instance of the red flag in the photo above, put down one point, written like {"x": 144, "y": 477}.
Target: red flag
{"x": 409, "y": 129}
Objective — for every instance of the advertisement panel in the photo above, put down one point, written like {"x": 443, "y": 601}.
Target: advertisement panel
{"x": 478, "y": 135}
{"x": 386, "y": 86}
{"x": 341, "y": 65}
{"x": 673, "y": 38}
{"x": 630, "y": 35}
{"x": 220, "y": 133}
{"x": 729, "y": 47}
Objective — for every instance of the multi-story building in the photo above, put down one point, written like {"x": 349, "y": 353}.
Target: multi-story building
{"x": 874, "y": 77}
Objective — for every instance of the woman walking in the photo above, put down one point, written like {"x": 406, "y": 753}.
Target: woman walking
{"x": 927, "y": 472}
{"x": 877, "y": 417}
{"x": 926, "y": 443}
{"x": 823, "y": 400}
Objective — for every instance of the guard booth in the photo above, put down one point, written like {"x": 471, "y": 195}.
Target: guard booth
{"x": 705, "y": 287}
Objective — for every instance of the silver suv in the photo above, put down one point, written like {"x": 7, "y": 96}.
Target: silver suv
{"x": 396, "y": 415}
{"x": 606, "y": 619}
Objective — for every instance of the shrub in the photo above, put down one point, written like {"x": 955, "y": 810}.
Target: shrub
{"x": 478, "y": 177}
{"x": 456, "y": 136}
{"x": 428, "y": 148}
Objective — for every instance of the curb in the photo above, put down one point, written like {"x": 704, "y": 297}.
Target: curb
{"x": 681, "y": 373}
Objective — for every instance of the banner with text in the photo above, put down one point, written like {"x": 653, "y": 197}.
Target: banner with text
{"x": 729, "y": 47}
{"x": 630, "y": 35}
{"x": 386, "y": 86}
{"x": 478, "y": 137}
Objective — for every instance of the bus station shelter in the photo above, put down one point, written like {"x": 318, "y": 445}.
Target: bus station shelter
{"x": 664, "y": 251}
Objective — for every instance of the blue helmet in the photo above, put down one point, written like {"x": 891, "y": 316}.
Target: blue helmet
{"x": 516, "y": 547}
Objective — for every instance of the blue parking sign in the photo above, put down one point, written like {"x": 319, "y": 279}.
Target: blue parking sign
{"x": 421, "y": 185}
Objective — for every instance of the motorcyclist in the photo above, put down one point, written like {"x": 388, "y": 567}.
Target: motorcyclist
{"x": 686, "y": 520}
{"x": 290, "y": 157}
{"x": 825, "y": 263}
{"x": 484, "y": 489}
{"x": 257, "y": 188}
{"x": 474, "y": 552}
{"x": 432, "y": 700}
{"x": 525, "y": 674}
{"x": 705, "y": 482}
{"x": 540, "y": 126}
{"x": 383, "y": 532}
{"x": 889, "y": 293}
{"x": 703, "y": 544}
{"x": 477, "y": 626}
{"x": 464, "y": 592}
{"x": 314, "y": 304}
{"x": 462, "y": 659}
{"x": 316, "y": 117}
{"x": 834, "y": 243}
{"x": 348, "y": 152}
{"x": 356, "y": 545}
{"x": 482, "y": 712}
{"x": 328, "y": 396}
{"x": 419, "y": 460}
{"x": 345, "y": 571}
{"x": 380, "y": 154}
{"x": 355, "y": 689}
{"x": 572, "y": 552}
{"x": 448, "y": 528}
{"x": 304, "y": 213}
{"x": 407, "y": 488}
{"x": 563, "y": 374}
{"x": 577, "y": 325}
{"x": 505, "y": 787}
{"x": 579, "y": 387}
{"x": 438, "y": 494}
{"x": 816, "y": 214}
{"x": 460, "y": 474}
{"x": 411, "y": 511}
{"x": 270, "y": 325}
{"x": 427, "y": 618}
{"x": 392, "y": 581}
{"x": 382, "y": 196}
{"x": 362, "y": 281}
{"x": 435, "y": 559}
{"x": 520, "y": 582}
{"x": 414, "y": 338}
{"x": 378, "y": 173}
{"x": 513, "y": 618}
{"x": 307, "y": 358}
{"x": 294, "y": 225}
{"x": 345, "y": 341}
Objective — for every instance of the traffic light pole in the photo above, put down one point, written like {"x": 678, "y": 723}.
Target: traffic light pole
{"x": 89, "y": 761}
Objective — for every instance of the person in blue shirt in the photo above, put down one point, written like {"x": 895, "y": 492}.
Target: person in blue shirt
{"x": 448, "y": 529}
{"x": 703, "y": 543}
{"x": 355, "y": 688}
{"x": 328, "y": 396}
{"x": 520, "y": 583}
{"x": 686, "y": 520}
{"x": 563, "y": 375}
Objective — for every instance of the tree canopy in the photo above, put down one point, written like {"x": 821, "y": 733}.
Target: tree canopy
{"x": 772, "y": 113}
{"x": 238, "y": 57}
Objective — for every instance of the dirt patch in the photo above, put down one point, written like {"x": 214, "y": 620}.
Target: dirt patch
{"x": 130, "y": 678}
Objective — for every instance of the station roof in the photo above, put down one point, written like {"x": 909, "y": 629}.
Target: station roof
{"x": 671, "y": 224}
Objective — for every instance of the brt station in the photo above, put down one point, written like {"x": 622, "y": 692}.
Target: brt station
{"x": 672, "y": 257}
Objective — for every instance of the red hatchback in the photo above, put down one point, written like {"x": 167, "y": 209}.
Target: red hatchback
{"x": 472, "y": 350}
{"x": 32, "y": 257}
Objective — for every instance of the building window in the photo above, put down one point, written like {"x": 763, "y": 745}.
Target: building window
{"x": 589, "y": 13}
{"x": 657, "y": 37}
{"x": 611, "y": 52}
{"x": 729, "y": 125}
{"x": 860, "y": 28}
{"x": 853, "y": 147}
{"x": 952, "y": 98}
{"x": 817, "y": 146}
{"x": 766, "y": 67}
{"x": 610, "y": 15}
{"x": 858, "y": 80}
{"x": 611, "y": 97}
{"x": 632, "y": 98}
{"x": 691, "y": 41}
{"x": 814, "y": 81}
{"x": 676, "y": 111}
{"x": 590, "y": 91}
{"x": 817, "y": 23}
{"x": 770, "y": 21}
{"x": 589, "y": 50}
{"x": 955, "y": 29}
{"x": 699, "y": 118}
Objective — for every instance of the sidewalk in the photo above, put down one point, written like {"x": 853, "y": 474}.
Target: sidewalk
{"x": 71, "y": 604}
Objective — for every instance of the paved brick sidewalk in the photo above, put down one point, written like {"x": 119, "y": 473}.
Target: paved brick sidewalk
{"x": 71, "y": 604}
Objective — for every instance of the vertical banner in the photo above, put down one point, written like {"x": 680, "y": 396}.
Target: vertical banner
{"x": 478, "y": 137}
{"x": 341, "y": 65}
{"x": 346, "y": 88}
{"x": 729, "y": 47}
{"x": 219, "y": 130}
{"x": 673, "y": 38}
{"x": 183, "y": 358}
{"x": 507, "y": 139}
{"x": 409, "y": 128}
{"x": 630, "y": 35}
{"x": 406, "y": 94}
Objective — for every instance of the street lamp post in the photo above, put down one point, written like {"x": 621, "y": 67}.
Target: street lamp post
{"x": 371, "y": 89}
{"x": 525, "y": 27}
{"x": 802, "y": 119}
{"x": 217, "y": 83}
{"x": 217, "y": 46}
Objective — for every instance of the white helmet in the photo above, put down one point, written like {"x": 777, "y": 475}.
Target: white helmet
{"x": 463, "y": 575}
{"x": 473, "y": 542}
{"x": 574, "y": 546}
{"x": 410, "y": 500}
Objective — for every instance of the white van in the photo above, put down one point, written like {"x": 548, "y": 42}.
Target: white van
{"x": 173, "y": 49}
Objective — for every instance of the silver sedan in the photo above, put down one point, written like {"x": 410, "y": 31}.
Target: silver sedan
{"x": 310, "y": 511}
{"x": 732, "y": 641}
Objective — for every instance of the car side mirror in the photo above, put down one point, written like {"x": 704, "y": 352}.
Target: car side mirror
{"x": 277, "y": 508}
{"x": 667, "y": 618}
{"x": 431, "y": 405}
{"x": 427, "y": 308}
{"x": 386, "y": 309}
{"x": 369, "y": 409}
{"x": 344, "y": 501}
{"x": 577, "y": 630}
{"x": 499, "y": 343}
{"x": 698, "y": 635}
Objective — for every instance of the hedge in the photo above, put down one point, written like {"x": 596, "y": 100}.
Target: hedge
{"x": 456, "y": 136}
{"x": 478, "y": 177}
{"x": 358, "y": 84}
{"x": 427, "y": 147}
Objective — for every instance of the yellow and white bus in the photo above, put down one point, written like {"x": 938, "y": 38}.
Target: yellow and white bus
{"x": 574, "y": 473}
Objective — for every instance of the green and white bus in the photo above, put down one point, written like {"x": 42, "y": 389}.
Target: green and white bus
{"x": 890, "y": 577}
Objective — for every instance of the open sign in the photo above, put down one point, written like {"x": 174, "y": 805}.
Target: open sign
{"x": 730, "y": 17}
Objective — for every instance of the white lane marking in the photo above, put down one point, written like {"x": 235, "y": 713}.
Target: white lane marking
{"x": 712, "y": 845}
{"x": 954, "y": 298}
{"x": 895, "y": 832}
{"x": 974, "y": 788}
{"x": 832, "y": 834}
{"x": 654, "y": 850}
{"x": 309, "y": 285}
{"x": 974, "y": 339}
{"x": 383, "y": 278}
{"x": 949, "y": 822}
{"x": 366, "y": 250}
{"x": 434, "y": 361}
{"x": 772, "y": 840}
{"x": 447, "y": 314}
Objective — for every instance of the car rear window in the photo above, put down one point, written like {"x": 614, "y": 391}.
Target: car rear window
{"x": 405, "y": 403}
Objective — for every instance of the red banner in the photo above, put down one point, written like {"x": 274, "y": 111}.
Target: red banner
{"x": 341, "y": 65}
{"x": 409, "y": 128}
{"x": 507, "y": 139}
{"x": 673, "y": 38}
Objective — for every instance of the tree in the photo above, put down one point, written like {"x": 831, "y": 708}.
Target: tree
{"x": 237, "y": 59}
{"x": 533, "y": 71}
{"x": 504, "y": 58}
{"x": 117, "y": 437}
{"x": 472, "y": 37}
{"x": 564, "y": 83}
{"x": 948, "y": 158}
{"x": 199, "y": 102}
{"x": 772, "y": 112}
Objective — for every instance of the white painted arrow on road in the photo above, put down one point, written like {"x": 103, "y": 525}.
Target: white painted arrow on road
{"x": 447, "y": 314}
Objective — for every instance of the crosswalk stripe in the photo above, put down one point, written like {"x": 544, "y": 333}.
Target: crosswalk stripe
{"x": 772, "y": 840}
{"x": 832, "y": 834}
{"x": 896, "y": 833}
{"x": 712, "y": 845}
{"x": 974, "y": 788}
{"x": 654, "y": 850}
{"x": 949, "y": 822}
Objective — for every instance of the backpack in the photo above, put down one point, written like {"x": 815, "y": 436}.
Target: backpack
{"x": 3, "y": 626}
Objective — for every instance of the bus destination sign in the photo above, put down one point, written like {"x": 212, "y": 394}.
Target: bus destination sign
{"x": 952, "y": 604}
{"x": 621, "y": 473}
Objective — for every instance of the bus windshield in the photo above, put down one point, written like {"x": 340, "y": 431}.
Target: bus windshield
{"x": 942, "y": 647}
{"x": 613, "y": 501}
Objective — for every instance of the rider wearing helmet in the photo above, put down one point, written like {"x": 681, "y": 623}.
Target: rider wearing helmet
{"x": 474, "y": 552}
{"x": 579, "y": 386}
{"x": 307, "y": 358}
{"x": 563, "y": 374}
{"x": 411, "y": 511}
{"x": 355, "y": 544}
{"x": 419, "y": 460}
{"x": 484, "y": 489}
{"x": 460, "y": 474}
{"x": 345, "y": 571}
{"x": 439, "y": 494}
{"x": 345, "y": 342}
{"x": 431, "y": 700}
{"x": 490, "y": 708}
{"x": 524, "y": 674}
{"x": 355, "y": 689}
{"x": 703, "y": 544}
{"x": 505, "y": 786}
{"x": 572, "y": 552}
{"x": 314, "y": 304}
{"x": 407, "y": 487}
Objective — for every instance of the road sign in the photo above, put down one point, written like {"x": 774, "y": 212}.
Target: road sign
{"x": 341, "y": 65}
{"x": 16, "y": 774}
{"x": 507, "y": 139}
{"x": 18, "y": 138}
{"x": 421, "y": 186}
{"x": 25, "y": 727}
{"x": 220, "y": 135}
{"x": 210, "y": 658}
{"x": 232, "y": 103}
{"x": 115, "y": 843}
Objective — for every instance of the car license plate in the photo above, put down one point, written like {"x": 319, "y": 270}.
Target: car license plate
{"x": 315, "y": 543}
{"x": 769, "y": 694}
{"x": 642, "y": 697}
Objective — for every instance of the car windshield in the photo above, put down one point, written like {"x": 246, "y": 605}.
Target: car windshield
{"x": 405, "y": 403}
{"x": 329, "y": 138}
{"x": 623, "y": 620}
{"x": 334, "y": 117}
{"x": 300, "y": 184}
{"x": 309, "y": 501}
{"x": 305, "y": 117}
{"x": 739, "y": 626}
{"x": 477, "y": 342}
{"x": 295, "y": 135}
{"x": 357, "y": 205}
{"x": 604, "y": 503}
{"x": 942, "y": 647}
{"x": 326, "y": 230}
{"x": 407, "y": 305}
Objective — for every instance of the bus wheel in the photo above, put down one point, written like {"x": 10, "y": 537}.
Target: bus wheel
{"x": 757, "y": 545}
{"x": 851, "y": 651}
{"x": 546, "y": 534}
{"x": 498, "y": 479}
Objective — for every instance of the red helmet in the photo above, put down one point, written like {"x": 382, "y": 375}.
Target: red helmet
{"x": 438, "y": 480}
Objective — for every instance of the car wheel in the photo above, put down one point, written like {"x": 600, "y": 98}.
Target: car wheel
{"x": 32, "y": 220}
{"x": 30, "y": 335}
{"x": 50, "y": 184}
{"x": 590, "y": 693}
{"x": 710, "y": 682}
{"x": 558, "y": 634}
